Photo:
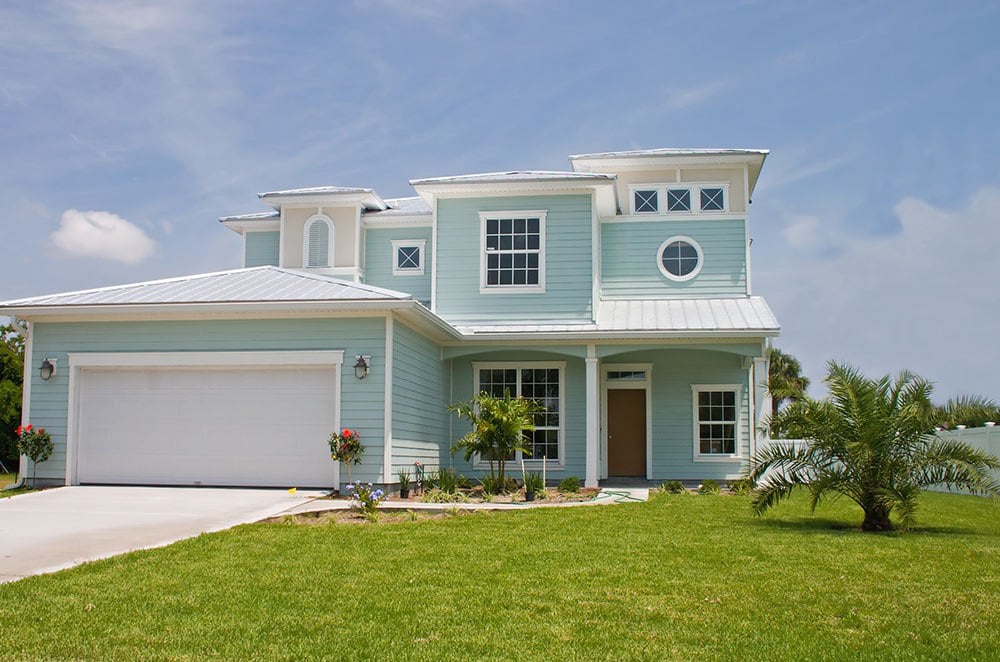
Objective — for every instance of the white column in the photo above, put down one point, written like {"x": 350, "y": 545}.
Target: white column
{"x": 762, "y": 400}
{"x": 593, "y": 420}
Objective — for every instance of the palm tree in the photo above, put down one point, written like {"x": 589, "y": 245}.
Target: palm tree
{"x": 871, "y": 441}
{"x": 970, "y": 410}
{"x": 498, "y": 427}
{"x": 785, "y": 381}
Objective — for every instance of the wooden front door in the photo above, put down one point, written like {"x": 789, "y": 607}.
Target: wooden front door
{"x": 627, "y": 432}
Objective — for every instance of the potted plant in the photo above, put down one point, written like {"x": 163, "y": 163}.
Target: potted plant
{"x": 533, "y": 484}
{"x": 346, "y": 448}
{"x": 404, "y": 483}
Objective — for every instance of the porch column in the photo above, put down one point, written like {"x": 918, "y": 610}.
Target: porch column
{"x": 593, "y": 419}
{"x": 762, "y": 401}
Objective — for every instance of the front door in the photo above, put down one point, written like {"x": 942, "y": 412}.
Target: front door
{"x": 627, "y": 432}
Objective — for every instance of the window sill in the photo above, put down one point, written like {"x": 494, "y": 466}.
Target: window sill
{"x": 516, "y": 289}
{"x": 718, "y": 458}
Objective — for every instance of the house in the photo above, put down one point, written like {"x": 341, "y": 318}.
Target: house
{"x": 617, "y": 293}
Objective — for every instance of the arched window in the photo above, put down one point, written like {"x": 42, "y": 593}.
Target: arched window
{"x": 317, "y": 251}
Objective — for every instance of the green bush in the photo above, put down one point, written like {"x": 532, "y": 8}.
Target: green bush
{"x": 673, "y": 487}
{"x": 709, "y": 487}
{"x": 447, "y": 480}
{"x": 570, "y": 485}
{"x": 741, "y": 486}
{"x": 533, "y": 482}
{"x": 436, "y": 495}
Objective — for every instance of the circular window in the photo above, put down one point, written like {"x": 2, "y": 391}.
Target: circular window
{"x": 679, "y": 258}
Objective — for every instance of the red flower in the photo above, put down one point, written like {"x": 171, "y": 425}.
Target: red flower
{"x": 19, "y": 430}
{"x": 28, "y": 428}
{"x": 345, "y": 433}
{"x": 41, "y": 430}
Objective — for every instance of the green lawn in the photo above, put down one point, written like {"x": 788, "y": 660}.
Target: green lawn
{"x": 683, "y": 576}
{"x": 7, "y": 479}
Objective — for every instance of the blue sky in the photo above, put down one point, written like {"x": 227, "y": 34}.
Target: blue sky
{"x": 876, "y": 222}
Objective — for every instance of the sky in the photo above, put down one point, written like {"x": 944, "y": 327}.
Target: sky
{"x": 128, "y": 128}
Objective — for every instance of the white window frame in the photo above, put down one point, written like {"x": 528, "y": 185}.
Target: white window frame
{"x": 661, "y": 197}
{"x": 694, "y": 244}
{"x": 310, "y": 222}
{"x": 408, "y": 243}
{"x": 512, "y": 289}
{"x": 738, "y": 401}
{"x": 479, "y": 463}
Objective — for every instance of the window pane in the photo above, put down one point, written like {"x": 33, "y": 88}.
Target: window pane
{"x": 712, "y": 199}
{"x": 679, "y": 258}
{"x": 517, "y": 240}
{"x": 678, "y": 200}
{"x": 646, "y": 201}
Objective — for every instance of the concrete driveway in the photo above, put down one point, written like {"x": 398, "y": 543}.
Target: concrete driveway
{"x": 62, "y": 527}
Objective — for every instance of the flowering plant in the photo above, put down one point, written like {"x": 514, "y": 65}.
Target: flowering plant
{"x": 366, "y": 498}
{"x": 345, "y": 447}
{"x": 36, "y": 444}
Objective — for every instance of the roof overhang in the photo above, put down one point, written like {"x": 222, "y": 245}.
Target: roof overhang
{"x": 366, "y": 198}
{"x": 752, "y": 159}
{"x": 603, "y": 190}
{"x": 244, "y": 225}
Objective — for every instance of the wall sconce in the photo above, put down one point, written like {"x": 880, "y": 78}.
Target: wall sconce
{"x": 361, "y": 367}
{"x": 48, "y": 369}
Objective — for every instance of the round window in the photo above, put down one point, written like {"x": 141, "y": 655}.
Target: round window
{"x": 679, "y": 258}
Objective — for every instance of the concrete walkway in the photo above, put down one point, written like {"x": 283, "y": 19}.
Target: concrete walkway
{"x": 58, "y": 528}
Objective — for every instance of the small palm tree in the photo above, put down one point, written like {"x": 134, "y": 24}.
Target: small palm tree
{"x": 970, "y": 410}
{"x": 870, "y": 441}
{"x": 785, "y": 381}
{"x": 498, "y": 427}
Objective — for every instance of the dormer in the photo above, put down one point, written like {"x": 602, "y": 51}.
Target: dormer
{"x": 314, "y": 229}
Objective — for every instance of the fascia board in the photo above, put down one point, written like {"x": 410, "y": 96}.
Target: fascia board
{"x": 479, "y": 189}
{"x": 241, "y": 227}
{"x": 623, "y": 335}
{"x": 306, "y": 200}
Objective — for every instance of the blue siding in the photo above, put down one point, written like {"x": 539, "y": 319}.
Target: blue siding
{"x": 419, "y": 400}
{"x": 568, "y": 255}
{"x": 629, "y": 254}
{"x": 361, "y": 401}
{"x": 261, "y": 249}
{"x": 379, "y": 260}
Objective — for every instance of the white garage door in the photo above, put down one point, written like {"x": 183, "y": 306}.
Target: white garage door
{"x": 259, "y": 426}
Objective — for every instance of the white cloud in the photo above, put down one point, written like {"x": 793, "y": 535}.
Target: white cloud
{"x": 923, "y": 299}
{"x": 102, "y": 235}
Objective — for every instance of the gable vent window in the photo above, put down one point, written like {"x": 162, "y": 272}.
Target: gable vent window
{"x": 318, "y": 247}
{"x": 408, "y": 257}
{"x": 679, "y": 198}
{"x": 513, "y": 252}
{"x": 680, "y": 258}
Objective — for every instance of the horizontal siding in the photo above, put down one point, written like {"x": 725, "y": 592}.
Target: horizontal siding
{"x": 419, "y": 399}
{"x": 629, "y": 255}
{"x": 261, "y": 249}
{"x": 379, "y": 261}
{"x": 568, "y": 256}
{"x": 361, "y": 401}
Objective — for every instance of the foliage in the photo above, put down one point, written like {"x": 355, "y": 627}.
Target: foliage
{"x": 785, "y": 381}
{"x": 366, "y": 498}
{"x": 435, "y": 495}
{"x": 498, "y": 427}
{"x": 870, "y": 441}
{"x": 36, "y": 444}
{"x": 11, "y": 378}
{"x": 970, "y": 410}
{"x": 404, "y": 478}
{"x": 490, "y": 484}
{"x": 463, "y": 482}
{"x": 741, "y": 486}
{"x": 445, "y": 480}
{"x": 533, "y": 482}
{"x": 673, "y": 487}
{"x": 346, "y": 448}
{"x": 710, "y": 487}
{"x": 569, "y": 485}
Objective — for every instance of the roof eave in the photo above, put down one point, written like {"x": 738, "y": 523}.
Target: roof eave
{"x": 367, "y": 198}
{"x": 624, "y": 335}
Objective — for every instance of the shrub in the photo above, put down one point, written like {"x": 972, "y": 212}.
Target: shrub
{"x": 533, "y": 482}
{"x": 570, "y": 484}
{"x": 673, "y": 487}
{"x": 404, "y": 479}
{"x": 709, "y": 487}
{"x": 436, "y": 495}
{"x": 366, "y": 498}
{"x": 36, "y": 444}
{"x": 741, "y": 486}
{"x": 464, "y": 483}
{"x": 346, "y": 448}
{"x": 447, "y": 480}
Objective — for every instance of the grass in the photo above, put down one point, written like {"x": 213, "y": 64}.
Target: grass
{"x": 681, "y": 577}
{"x": 8, "y": 479}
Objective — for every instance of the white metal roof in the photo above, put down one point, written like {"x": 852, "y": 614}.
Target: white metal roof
{"x": 258, "y": 216}
{"x": 515, "y": 176}
{"x": 401, "y": 207}
{"x": 316, "y": 190}
{"x": 670, "y": 151}
{"x": 240, "y": 285}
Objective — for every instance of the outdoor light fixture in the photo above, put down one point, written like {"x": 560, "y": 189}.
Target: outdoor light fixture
{"x": 361, "y": 367}
{"x": 47, "y": 370}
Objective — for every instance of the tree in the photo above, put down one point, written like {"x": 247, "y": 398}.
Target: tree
{"x": 871, "y": 441}
{"x": 785, "y": 381}
{"x": 11, "y": 378}
{"x": 970, "y": 410}
{"x": 498, "y": 427}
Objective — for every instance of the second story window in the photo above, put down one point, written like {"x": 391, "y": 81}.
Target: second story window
{"x": 408, "y": 257}
{"x": 317, "y": 251}
{"x": 513, "y": 251}
{"x": 679, "y": 198}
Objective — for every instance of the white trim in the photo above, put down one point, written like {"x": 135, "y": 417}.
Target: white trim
{"x": 243, "y": 257}
{"x": 408, "y": 243}
{"x": 674, "y": 216}
{"x": 694, "y": 189}
{"x": 697, "y": 248}
{"x": 746, "y": 226}
{"x": 434, "y": 254}
{"x": 394, "y": 223}
{"x": 387, "y": 404}
{"x": 167, "y": 360}
{"x": 357, "y": 245}
{"x": 595, "y": 261}
{"x": 529, "y": 365}
{"x": 29, "y": 347}
{"x": 485, "y": 216}
{"x": 645, "y": 384}
{"x": 331, "y": 241}
{"x": 717, "y": 457}
{"x": 281, "y": 238}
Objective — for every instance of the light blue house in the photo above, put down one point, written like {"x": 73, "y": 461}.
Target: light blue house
{"x": 617, "y": 293}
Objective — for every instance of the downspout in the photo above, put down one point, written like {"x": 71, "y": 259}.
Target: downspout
{"x": 27, "y": 365}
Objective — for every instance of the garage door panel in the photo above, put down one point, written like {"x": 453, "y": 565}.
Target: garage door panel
{"x": 261, "y": 426}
